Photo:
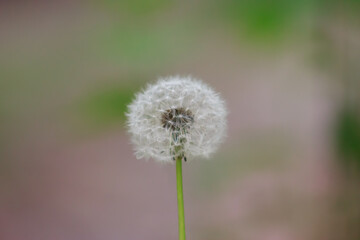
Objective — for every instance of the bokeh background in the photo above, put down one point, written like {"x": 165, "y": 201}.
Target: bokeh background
{"x": 289, "y": 71}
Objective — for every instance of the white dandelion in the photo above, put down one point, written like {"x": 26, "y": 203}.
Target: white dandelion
{"x": 177, "y": 117}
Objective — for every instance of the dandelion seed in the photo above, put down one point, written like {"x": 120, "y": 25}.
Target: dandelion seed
{"x": 177, "y": 117}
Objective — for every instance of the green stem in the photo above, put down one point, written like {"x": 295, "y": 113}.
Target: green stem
{"x": 180, "y": 198}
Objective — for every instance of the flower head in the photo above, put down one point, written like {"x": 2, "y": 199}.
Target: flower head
{"x": 177, "y": 117}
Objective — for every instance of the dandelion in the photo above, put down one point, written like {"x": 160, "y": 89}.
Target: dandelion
{"x": 177, "y": 116}
{"x": 175, "y": 119}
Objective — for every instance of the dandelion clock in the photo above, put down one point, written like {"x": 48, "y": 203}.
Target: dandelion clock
{"x": 174, "y": 120}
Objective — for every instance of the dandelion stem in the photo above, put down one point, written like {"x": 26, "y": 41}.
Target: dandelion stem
{"x": 180, "y": 198}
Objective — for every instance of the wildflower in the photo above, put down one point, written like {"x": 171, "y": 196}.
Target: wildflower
{"x": 177, "y": 117}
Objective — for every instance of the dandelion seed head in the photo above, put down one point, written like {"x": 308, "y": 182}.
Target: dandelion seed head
{"x": 176, "y": 117}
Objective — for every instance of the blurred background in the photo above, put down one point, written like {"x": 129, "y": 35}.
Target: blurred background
{"x": 289, "y": 71}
